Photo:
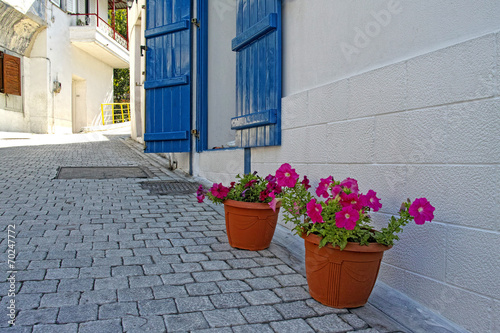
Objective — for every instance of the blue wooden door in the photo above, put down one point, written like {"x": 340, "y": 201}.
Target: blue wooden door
{"x": 258, "y": 73}
{"x": 168, "y": 80}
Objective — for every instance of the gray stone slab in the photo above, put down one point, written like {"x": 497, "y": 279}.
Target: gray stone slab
{"x": 297, "y": 309}
{"x": 224, "y": 317}
{"x": 108, "y": 326}
{"x": 202, "y": 289}
{"x": 194, "y": 304}
{"x": 118, "y": 310}
{"x": 185, "y": 322}
{"x": 98, "y": 297}
{"x": 294, "y": 325}
{"x": 260, "y": 314}
{"x": 143, "y": 324}
{"x": 77, "y": 313}
{"x": 169, "y": 291}
{"x": 329, "y": 323}
{"x": 231, "y": 300}
{"x": 50, "y": 328}
{"x": 253, "y": 328}
{"x": 157, "y": 307}
{"x": 38, "y": 316}
{"x": 261, "y": 297}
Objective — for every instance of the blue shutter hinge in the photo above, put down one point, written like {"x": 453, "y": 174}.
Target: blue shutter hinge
{"x": 196, "y": 22}
{"x": 195, "y": 133}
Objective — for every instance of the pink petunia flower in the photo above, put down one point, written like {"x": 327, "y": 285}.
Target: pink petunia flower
{"x": 219, "y": 191}
{"x": 421, "y": 210}
{"x": 314, "y": 211}
{"x": 336, "y": 190}
{"x": 200, "y": 194}
{"x": 273, "y": 202}
{"x": 351, "y": 184}
{"x": 322, "y": 189}
{"x": 347, "y": 218}
{"x": 370, "y": 200}
{"x": 305, "y": 182}
{"x": 351, "y": 199}
{"x": 286, "y": 176}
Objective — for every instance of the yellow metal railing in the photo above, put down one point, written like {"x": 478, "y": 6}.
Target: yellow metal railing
{"x": 113, "y": 113}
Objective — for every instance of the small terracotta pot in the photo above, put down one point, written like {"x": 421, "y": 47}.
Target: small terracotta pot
{"x": 250, "y": 225}
{"x": 342, "y": 279}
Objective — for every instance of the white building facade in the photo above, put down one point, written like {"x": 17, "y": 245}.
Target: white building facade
{"x": 404, "y": 96}
{"x": 67, "y": 51}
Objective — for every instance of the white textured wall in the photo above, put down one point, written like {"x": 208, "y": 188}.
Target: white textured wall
{"x": 428, "y": 126}
{"x": 327, "y": 40}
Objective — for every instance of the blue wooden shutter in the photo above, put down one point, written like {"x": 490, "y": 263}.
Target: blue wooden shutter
{"x": 258, "y": 73}
{"x": 168, "y": 81}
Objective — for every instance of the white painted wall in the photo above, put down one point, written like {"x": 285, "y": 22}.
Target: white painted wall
{"x": 413, "y": 112}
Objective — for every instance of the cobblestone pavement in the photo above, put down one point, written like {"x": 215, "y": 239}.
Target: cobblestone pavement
{"x": 107, "y": 256}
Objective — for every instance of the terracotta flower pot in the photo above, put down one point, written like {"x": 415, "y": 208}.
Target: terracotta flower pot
{"x": 342, "y": 279}
{"x": 250, "y": 225}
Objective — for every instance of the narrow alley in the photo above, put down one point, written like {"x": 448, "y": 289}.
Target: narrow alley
{"x": 106, "y": 255}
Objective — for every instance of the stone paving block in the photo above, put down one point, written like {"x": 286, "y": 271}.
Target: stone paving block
{"x": 75, "y": 285}
{"x": 131, "y": 244}
{"x": 77, "y": 313}
{"x": 211, "y": 276}
{"x": 158, "y": 243}
{"x": 144, "y": 281}
{"x": 231, "y": 300}
{"x": 127, "y": 270}
{"x": 168, "y": 291}
{"x": 261, "y": 297}
{"x": 233, "y": 286}
{"x": 176, "y": 279}
{"x": 182, "y": 242}
{"x": 194, "y": 304}
{"x": 57, "y": 300}
{"x": 193, "y": 257}
{"x": 285, "y": 269}
{"x": 292, "y": 293}
{"x": 202, "y": 289}
{"x": 294, "y": 325}
{"x": 224, "y": 317}
{"x": 143, "y": 324}
{"x": 242, "y": 263}
{"x": 137, "y": 260}
{"x": 27, "y": 255}
{"x": 119, "y": 253}
{"x": 244, "y": 254}
{"x": 146, "y": 251}
{"x": 260, "y": 314}
{"x": 328, "y": 323}
{"x": 98, "y": 297}
{"x": 134, "y": 294}
{"x": 354, "y": 320}
{"x": 95, "y": 272}
{"x": 214, "y": 265}
{"x": 185, "y": 322}
{"x": 187, "y": 267}
{"x": 238, "y": 274}
{"x": 23, "y": 301}
{"x": 220, "y": 255}
{"x": 37, "y": 316}
{"x": 297, "y": 309}
{"x": 108, "y": 326}
{"x": 50, "y": 328}
{"x": 117, "y": 282}
{"x": 157, "y": 307}
{"x": 291, "y": 280}
{"x": 44, "y": 264}
{"x": 30, "y": 275}
{"x": 77, "y": 263}
{"x": 61, "y": 273}
{"x": 37, "y": 287}
{"x": 263, "y": 283}
{"x": 253, "y": 328}
{"x": 214, "y": 330}
{"x": 265, "y": 271}
{"x": 118, "y": 310}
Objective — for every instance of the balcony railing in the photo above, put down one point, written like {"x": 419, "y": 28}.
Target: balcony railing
{"x": 93, "y": 20}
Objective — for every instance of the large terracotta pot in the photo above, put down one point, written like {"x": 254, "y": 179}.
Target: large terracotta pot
{"x": 342, "y": 279}
{"x": 250, "y": 225}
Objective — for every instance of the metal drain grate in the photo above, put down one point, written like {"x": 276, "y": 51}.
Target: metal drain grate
{"x": 170, "y": 187}
{"x": 102, "y": 172}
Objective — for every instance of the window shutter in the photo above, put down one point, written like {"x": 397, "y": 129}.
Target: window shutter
{"x": 1, "y": 72}
{"x": 11, "y": 75}
{"x": 258, "y": 73}
{"x": 168, "y": 76}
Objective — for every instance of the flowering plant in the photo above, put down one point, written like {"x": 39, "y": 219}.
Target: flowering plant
{"x": 247, "y": 188}
{"x": 340, "y": 213}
